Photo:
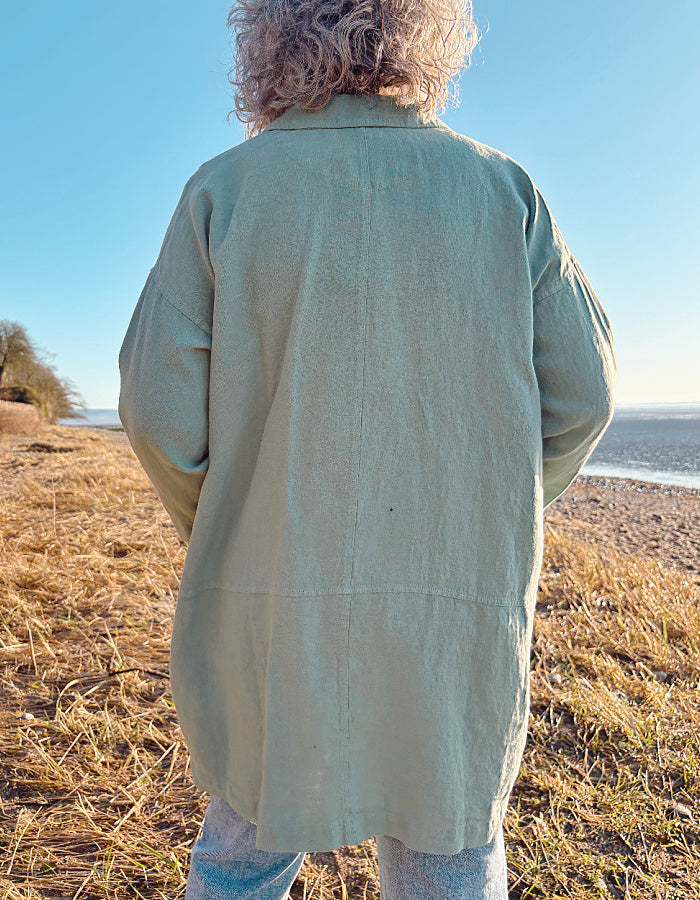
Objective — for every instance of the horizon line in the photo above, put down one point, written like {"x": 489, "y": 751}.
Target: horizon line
{"x": 618, "y": 404}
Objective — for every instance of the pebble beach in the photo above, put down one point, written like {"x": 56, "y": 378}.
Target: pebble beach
{"x": 639, "y": 518}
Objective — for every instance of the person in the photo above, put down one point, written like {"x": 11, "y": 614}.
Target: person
{"x": 364, "y": 362}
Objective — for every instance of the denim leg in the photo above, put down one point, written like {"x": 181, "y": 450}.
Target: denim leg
{"x": 226, "y": 865}
{"x": 473, "y": 874}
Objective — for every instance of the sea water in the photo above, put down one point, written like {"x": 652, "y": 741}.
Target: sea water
{"x": 95, "y": 418}
{"x": 651, "y": 442}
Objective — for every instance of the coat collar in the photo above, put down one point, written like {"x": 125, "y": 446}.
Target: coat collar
{"x": 354, "y": 111}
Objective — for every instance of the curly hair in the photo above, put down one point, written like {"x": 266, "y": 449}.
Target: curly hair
{"x": 305, "y": 51}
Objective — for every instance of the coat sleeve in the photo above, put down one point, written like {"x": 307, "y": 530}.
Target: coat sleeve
{"x": 573, "y": 355}
{"x": 164, "y": 366}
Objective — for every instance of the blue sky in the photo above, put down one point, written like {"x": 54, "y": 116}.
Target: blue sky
{"x": 107, "y": 111}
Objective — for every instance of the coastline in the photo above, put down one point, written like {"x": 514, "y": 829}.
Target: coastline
{"x": 640, "y": 518}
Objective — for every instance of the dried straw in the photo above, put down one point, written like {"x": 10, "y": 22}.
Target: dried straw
{"x": 96, "y": 799}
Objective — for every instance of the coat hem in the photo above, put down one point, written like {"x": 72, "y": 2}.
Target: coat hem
{"x": 351, "y": 829}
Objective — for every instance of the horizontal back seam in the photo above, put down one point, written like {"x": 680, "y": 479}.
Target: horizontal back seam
{"x": 445, "y": 595}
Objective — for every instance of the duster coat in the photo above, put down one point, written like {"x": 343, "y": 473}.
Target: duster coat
{"x": 363, "y": 363}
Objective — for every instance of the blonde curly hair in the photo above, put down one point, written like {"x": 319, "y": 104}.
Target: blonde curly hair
{"x": 305, "y": 51}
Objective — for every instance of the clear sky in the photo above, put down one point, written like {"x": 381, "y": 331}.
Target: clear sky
{"x": 108, "y": 109}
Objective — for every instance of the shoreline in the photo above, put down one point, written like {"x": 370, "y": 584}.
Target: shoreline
{"x": 639, "y": 518}
{"x": 602, "y": 479}
{"x": 623, "y": 482}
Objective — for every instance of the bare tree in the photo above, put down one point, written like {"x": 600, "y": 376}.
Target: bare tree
{"x": 30, "y": 378}
{"x": 55, "y": 397}
{"x": 16, "y": 350}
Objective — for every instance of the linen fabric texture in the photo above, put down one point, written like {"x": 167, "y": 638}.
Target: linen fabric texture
{"x": 362, "y": 365}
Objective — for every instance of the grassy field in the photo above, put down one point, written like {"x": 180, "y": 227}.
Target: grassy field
{"x": 96, "y": 799}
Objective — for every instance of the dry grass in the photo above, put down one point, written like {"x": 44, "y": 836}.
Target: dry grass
{"x": 95, "y": 795}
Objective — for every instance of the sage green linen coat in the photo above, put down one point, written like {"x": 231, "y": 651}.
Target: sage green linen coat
{"x": 363, "y": 363}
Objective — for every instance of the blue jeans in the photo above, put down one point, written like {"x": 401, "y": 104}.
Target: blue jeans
{"x": 226, "y": 865}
